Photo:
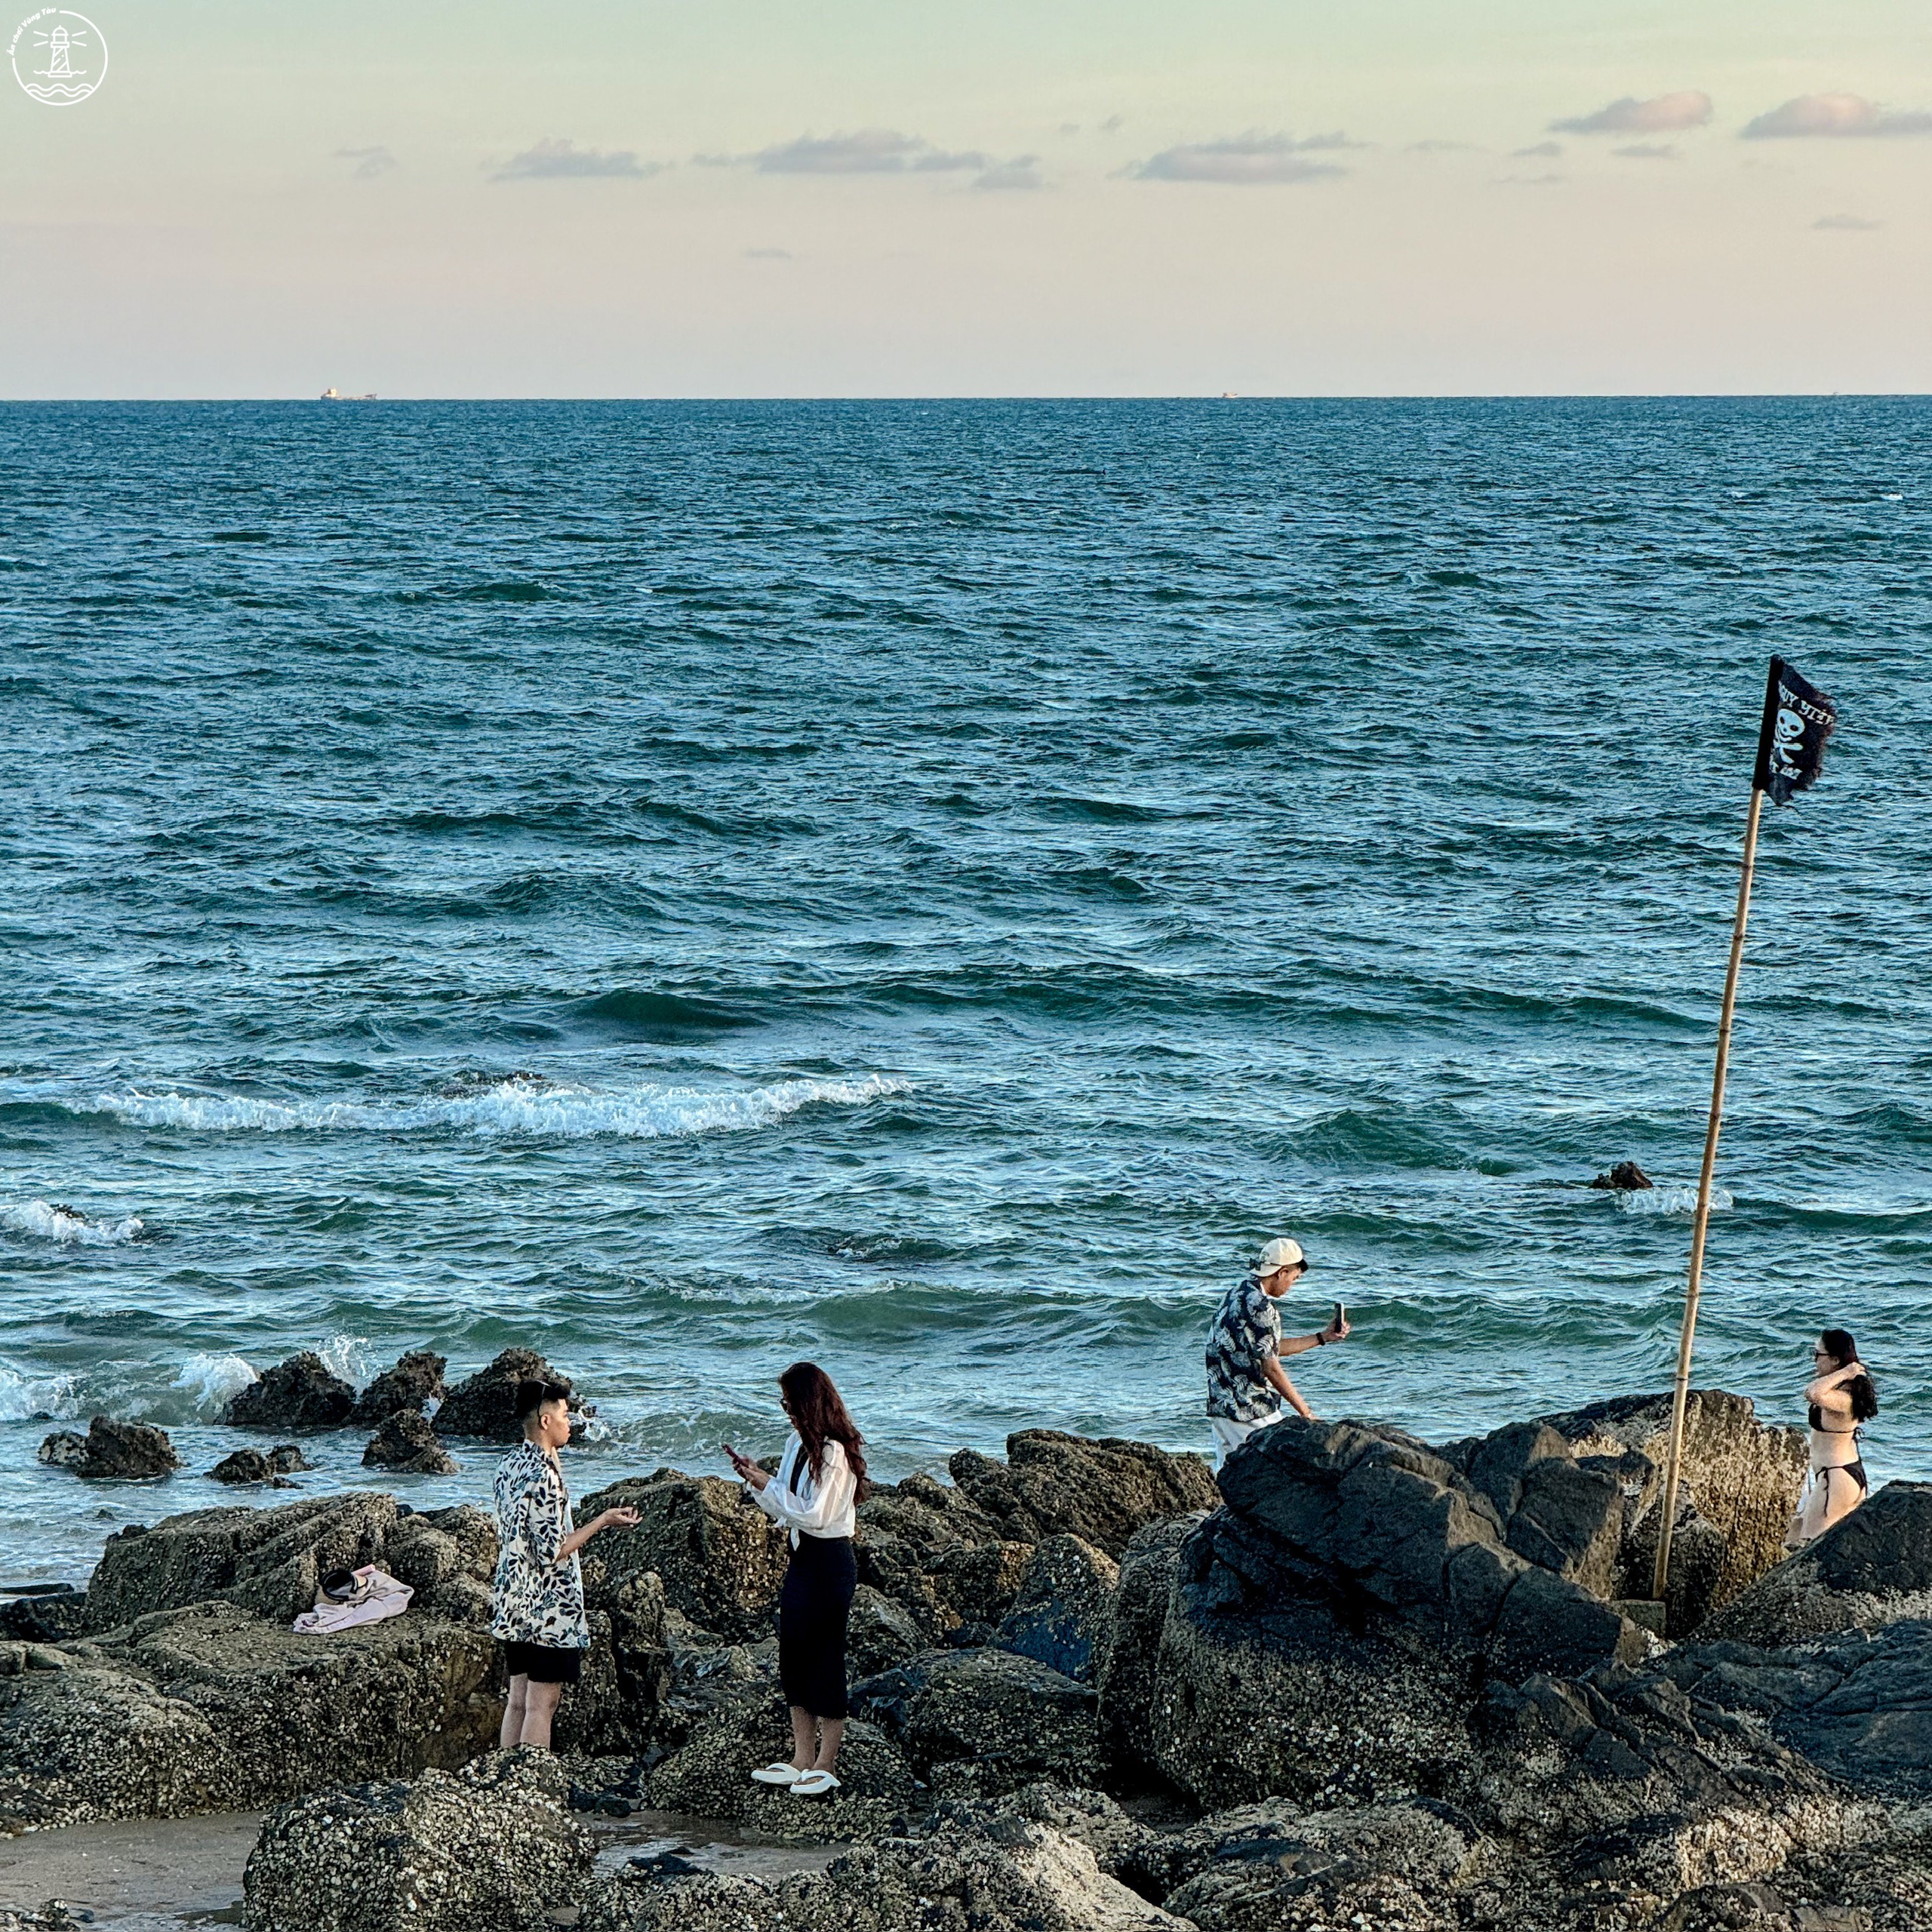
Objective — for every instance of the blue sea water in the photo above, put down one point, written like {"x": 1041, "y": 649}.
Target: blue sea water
{"x": 931, "y": 887}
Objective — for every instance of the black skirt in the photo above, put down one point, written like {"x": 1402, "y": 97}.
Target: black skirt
{"x": 812, "y": 1609}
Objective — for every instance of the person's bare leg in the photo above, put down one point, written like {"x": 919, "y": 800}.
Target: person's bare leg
{"x": 511, "y": 1734}
{"x": 539, "y": 1707}
{"x": 831, "y": 1735}
{"x": 803, "y": 1739}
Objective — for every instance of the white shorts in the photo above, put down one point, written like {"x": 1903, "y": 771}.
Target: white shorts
{"x": 1229, "y": 1433}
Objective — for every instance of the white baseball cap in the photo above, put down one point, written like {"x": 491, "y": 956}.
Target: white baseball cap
{"x": 1280, "y": 1254}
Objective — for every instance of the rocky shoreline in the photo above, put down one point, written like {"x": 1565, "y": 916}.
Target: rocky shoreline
{"x": 1360, "y": 1682}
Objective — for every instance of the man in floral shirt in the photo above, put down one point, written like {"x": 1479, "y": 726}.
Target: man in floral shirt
{"x": 1246, "y": 1382}
{"x": 539, "y": 1617}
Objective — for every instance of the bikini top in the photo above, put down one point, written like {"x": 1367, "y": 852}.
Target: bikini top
{"x": 1818, "y": 1423}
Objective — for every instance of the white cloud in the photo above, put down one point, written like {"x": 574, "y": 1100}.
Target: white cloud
{"x": 870, "y": 151}
{"x": 1542, "y": 151}
{"x": 370, "y": 162}
{"x": 558, "y": 160}
{"x": 1023, "y": 174}
{"x": 1662, "y": 114}
{"x": 1824, "y": 116}
{"x": 1439, "y": 147}
{"x": 1247, "y": 160}
{"x": 1647, "y": 151}
{"x": 1852, "y": 224}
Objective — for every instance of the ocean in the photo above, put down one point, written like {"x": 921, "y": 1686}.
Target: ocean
{"x": 931, "y": 887}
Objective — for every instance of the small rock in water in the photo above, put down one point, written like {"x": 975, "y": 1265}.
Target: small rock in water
{"x": 253, "y": 1466}
{"x": 298, "y": 1394}
{"x": 130, "y": 1451}
{"x": 406, "y": 1441}
{"x": 1626, "y": 1177}
{"x": 485, "y": 1405}
{"x": 415, "y": 1380}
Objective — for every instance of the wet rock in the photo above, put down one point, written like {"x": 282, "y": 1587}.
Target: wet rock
{"x": 210, "y": 1708}
{"x": 1743, "y": 1475}
{"x": 1062, "y": 1613}
{"x": 45, "y": 1616}
{"x": 405, "y": 1442}
{"x": 711, "y": 1775}
{"x": 271, "y": 1466}
{"x": 485, "y": 1405}
{"x": 492, "y": 1848}
{"x": 721, "y": 1560}
{"x": 1265, "y": 1867}
{"x": 1014, "y": 1877}
{"x": 880, "y": 1635}
{"x": 649, "y": 1898}
{"x": 1101, "y": 1491}
{"x": 267, "y": 1560}
{"x": 1626, "y": 1177}
{"x": 985, "y": 1721}
{"x": 1873, "y": 1567}
{"x": 1148, "y": 1571}
{"x": 298, "y": 1396}
{"x": 414, "y": 1381}
{"x": 943, "y": 1560}
{"x": 123, "y": 1451}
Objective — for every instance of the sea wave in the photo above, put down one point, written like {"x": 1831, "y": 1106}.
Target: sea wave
{"x": 51, "y": 1220}
{"x": 517, "y": 1106}
{"x": 210, "y": 1380}
{"x": 23, "y": 1397}
{"x": 1667, "y": 1201}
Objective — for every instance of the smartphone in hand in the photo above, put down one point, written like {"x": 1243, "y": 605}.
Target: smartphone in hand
{"x": 1340, "y": 1315}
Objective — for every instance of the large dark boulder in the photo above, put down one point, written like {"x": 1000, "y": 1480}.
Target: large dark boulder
{"x": 123, "y": 1451}
{"x": 404, "y": 1442}
{"x": 485, "y": 1404}
{"x": 415, "y": 1381}
{"x": 1871, "y": 1568}
{"x": 985, "y": 1721}
{"x": 1062, "y": 1612}
{"x": 211, "y": 1708}
{"x": 295, "y": 1397}
{"x": 720, "y": 1559}
{"x": 492, "y": 1848}
{"x": 1054, "y": 1484}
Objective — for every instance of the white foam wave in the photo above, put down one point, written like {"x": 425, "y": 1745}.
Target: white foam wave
{"x": 210, "y": 1380}
{"x": 52, "y": 1222}
{"x": 520, "y": 1106}
{"x": 349, "y": 1357}
{"x": 1667, "y": 1200}
{"x": 23, "y": 1396}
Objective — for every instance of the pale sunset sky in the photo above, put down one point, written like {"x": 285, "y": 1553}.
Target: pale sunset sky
{"x": 745, "y": 197}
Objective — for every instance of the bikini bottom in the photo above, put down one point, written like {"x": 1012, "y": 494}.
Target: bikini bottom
{"x": 1854, "y": 1470}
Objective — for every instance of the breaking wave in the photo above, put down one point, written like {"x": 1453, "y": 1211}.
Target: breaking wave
{"x": 520, "y": 1106}
{"x": 1667, "y": 1200}
{"x": 208, "y": 1381}
{"x": 50, "y": 1220}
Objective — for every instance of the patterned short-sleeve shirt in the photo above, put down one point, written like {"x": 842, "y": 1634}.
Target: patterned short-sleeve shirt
{"x": 538, "y": 1599}
{"x": 1247, "y": 1332}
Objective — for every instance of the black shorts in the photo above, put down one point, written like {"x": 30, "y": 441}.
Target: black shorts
{"x": 542, "y": 1665}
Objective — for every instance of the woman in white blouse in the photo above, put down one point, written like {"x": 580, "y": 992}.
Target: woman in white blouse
{"x": 821, "y": 1479}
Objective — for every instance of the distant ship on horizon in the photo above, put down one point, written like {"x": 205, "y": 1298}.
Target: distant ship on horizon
{"x": 333, "y": 395}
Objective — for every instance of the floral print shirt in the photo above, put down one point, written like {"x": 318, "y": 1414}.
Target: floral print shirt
{"x": 539, "y": 1600}
{"x": 1247, "y": 1332}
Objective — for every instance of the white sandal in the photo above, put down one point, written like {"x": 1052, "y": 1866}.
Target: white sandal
{"x": 778, "y": 1772}
{"x": 814, "y": 1784}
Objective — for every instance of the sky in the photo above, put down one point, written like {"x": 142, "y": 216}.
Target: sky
{"x": 756, "y": 198}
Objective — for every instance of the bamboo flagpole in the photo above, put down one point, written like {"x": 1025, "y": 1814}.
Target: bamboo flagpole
{"x": 1798, "y": 719}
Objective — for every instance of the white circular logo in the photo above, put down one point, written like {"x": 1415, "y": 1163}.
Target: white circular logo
{"x": 59, "y": 57}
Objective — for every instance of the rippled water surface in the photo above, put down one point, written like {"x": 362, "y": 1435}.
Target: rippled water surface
{"x": 931, "y": 887}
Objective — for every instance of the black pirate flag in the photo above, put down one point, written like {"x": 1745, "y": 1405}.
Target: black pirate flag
{"x": 1798, "y": 718}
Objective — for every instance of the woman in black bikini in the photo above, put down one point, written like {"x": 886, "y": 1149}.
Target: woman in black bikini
{"x": 1841, "y": 1396}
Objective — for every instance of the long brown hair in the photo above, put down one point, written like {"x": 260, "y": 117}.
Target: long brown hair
{"x": 819, "y": 1416}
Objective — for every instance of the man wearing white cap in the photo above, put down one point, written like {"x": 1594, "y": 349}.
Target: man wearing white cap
{"x": 1246, "y": 1383}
